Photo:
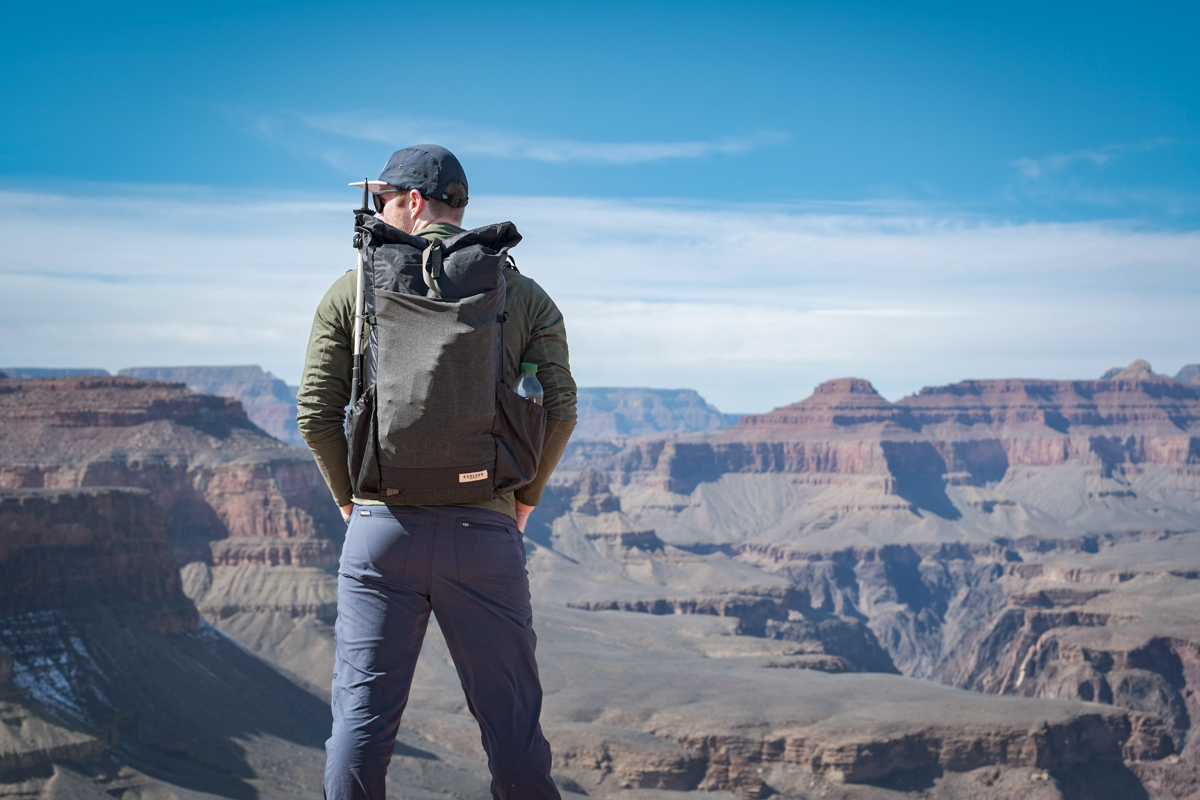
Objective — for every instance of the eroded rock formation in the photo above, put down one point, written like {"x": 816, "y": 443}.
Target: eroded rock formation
{"x": 616, "y": 411}
{"x": 66, "y": 548}
{"x": 268, "y": 402}
{"x": 727, "y": 612}
{"x": 214, "y": 474}
{"x": 1014, "y": 537}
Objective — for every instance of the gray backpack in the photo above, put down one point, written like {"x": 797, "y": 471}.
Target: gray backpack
{"x": 436, "y": 424}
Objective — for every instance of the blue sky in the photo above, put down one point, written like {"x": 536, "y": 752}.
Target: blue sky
{"x": 1067, "y": 136}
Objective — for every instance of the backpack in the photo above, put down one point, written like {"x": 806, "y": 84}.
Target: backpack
{"x": 436, "y": 424}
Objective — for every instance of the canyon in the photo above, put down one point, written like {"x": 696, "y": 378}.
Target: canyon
{"x": 268, "y": 402}
{"x": 982, "y": 590}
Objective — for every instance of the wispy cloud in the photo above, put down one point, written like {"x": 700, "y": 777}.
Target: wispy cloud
{"x": 752, "y": 306}
{"x": 478, "y": 140}
{"x": 1034, "y": 168}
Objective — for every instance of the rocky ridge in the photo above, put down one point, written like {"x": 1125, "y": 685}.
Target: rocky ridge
{"x": 268, "y": 402}
{"x": 617, "y": 411}
{"x": 965, "y": 526}
{"x": 736, "y": 632}
{"x": 228, "y": 491}
{"x": 112, "y": 685}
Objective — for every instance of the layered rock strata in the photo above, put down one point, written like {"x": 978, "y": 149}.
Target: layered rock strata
{"x": 971, "y": 433}
{"x": 616, "y": 411}
{"x": 771, "y": 603}
{"x": 114, "y": 687}
{"x": 269, "y": 402}
{"x": 215, "y": 475}
{"x": 963, "y": 527}
{"x": 64, "y": 548}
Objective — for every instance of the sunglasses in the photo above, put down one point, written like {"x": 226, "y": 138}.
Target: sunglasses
{"x": 381, "y": 199}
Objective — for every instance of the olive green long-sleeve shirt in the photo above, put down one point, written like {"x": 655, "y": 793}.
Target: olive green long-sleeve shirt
{"x": 533, "y": 333}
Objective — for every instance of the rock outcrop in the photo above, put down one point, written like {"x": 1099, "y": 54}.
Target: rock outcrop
{"x": 111, "y": 684}
{"x": 967, "y": 433}
{"x": 1016, "y": 537}
{"x": 269, "y": 402}
{"x": 617, "y": 411}
{"x": 216, "y": 476}
{"x": 723, "y": 611}
{"x": 64, "y": 548}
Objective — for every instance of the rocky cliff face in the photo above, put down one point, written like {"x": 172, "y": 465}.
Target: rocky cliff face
{"x": 1013, "y": 537}
{"x": 615, "y": 411}
{"x": 968, "y": 433}
{"x": 66, "y": 548}
{"x": 721, "y": 612}
{"x": 104, "y": 659}
{"x": 111, "y": 685}
{"x": 228, "y": 491}
{"x": 268, "y": 402}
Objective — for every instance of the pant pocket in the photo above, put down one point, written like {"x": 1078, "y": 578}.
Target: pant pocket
{"x": 488, "y": 553}
{"x": 376, "y": 546}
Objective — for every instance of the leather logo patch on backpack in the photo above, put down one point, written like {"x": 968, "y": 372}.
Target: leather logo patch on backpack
{"x": 467, "y": 477}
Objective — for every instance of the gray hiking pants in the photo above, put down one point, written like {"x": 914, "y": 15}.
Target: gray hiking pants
{"x": 466, "y": 565}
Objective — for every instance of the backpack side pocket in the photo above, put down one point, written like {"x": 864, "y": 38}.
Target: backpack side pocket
{"x": 520, "y": 430}
{"x": 363, "y": 458}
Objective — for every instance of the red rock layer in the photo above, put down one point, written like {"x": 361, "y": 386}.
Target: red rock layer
{"x": 970, "y": 432}
{"x": 837, "y": 404}
{"x": 80, "y": 547}
{"x": 214, "y": 474}
{"x": 267, "y": 401}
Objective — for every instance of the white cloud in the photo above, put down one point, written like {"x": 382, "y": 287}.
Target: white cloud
{"x": 1034, "y": 168}
{"x": 466, "y": 139}
{"x": 753, "y": 306}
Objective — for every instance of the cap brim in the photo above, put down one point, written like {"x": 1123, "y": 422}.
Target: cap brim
{"x": 375, "y": 186}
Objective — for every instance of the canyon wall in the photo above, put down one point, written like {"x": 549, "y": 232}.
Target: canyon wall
{"x": 1015, "y": 537}
{"x": 229, "y": 492}
{"x": 63, "y": 548}
{"x": 969, "y": 433}
{"x": 618, "y": 411}
{"x": 268, "y": 402}
{"x": 982, "y": 590}
{"x": 110, "y": 683}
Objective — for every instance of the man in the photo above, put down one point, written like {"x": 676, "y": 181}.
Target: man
{"x": 464, "y": 563}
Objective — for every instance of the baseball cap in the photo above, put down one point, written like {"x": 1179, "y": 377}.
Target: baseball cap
{"x": 428, "y": 168}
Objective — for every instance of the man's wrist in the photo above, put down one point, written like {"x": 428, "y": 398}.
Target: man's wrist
{"x": 523, "y": 512}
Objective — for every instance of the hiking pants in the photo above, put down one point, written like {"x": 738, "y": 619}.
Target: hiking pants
{"x": 467, "y": 566}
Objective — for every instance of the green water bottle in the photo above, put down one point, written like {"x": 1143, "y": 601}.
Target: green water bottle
{"x": 528, "y": 386}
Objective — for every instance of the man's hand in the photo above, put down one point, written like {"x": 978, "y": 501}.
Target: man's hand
{"x": 522, "y": 514}
{"x": 346, "y": 509}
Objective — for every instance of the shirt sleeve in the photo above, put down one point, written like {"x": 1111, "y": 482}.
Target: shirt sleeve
{"x": 325, "y": 386}
{"x": 547, "y": 347}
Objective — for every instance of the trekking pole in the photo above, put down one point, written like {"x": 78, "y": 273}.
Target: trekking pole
{"x": 356, "y": 377}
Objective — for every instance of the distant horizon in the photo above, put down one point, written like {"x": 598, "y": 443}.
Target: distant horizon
{"x": 740, "y": 412}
